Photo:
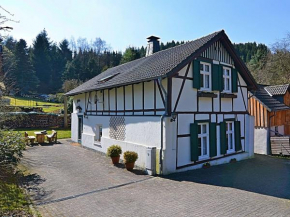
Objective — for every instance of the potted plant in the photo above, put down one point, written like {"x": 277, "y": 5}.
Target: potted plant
{"x": 206, "y": 165}
{"x": 130, "y": 157}
{"x": 233, "y": 160}
{"x": 114, "y": 152}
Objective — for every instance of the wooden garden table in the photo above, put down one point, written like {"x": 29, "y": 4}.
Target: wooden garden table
{"x": 39, "y": 137}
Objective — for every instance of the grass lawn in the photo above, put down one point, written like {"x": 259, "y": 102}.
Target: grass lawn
{"x": 61, "y": 133}
{"x": 13, "y": 201}
{"x": 30, "y": 102}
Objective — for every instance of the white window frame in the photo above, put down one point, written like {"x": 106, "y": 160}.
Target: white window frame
{"x": 204, "y": 73}
{"x": 230, "y": 133}
{"x": 227, "y": 77}
{"x": 201, "y": 135}
{"x": 99, "y": 133}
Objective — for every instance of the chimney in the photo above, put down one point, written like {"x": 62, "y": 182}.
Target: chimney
{"x": 153, "y": 45}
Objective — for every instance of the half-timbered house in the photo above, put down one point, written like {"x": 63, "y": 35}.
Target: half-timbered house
{"x": 270, "y": 107}
{"x": 177, "y": 108}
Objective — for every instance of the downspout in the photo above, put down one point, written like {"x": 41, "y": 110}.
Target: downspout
{"x": 269, "y": 133}
{"x": 162, "y": 118}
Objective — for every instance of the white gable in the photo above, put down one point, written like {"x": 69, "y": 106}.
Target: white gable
{"x": 218, "y": 52}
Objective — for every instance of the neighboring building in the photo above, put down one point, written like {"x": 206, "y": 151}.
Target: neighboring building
{"x": 177, "y": 108}
{"x": 270, "y": 106}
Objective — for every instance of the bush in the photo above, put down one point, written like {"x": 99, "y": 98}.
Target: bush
{"x": 114, "y": 151}
{"x": 130, "y": 156}
{"x": 11, "y": 146}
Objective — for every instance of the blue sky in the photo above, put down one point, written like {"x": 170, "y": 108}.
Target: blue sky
{"x": 129, "y": 22}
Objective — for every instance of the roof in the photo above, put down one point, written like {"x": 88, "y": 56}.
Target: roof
{"x": 268, "y": 101}
{"x": 277, "y": 89}
{"x": 160, "y": 64}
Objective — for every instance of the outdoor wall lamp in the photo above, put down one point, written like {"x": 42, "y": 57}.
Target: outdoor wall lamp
{"x": 79, "y": 108}
{"x": 78, "y": 100}
{"x": 173, "y": 116}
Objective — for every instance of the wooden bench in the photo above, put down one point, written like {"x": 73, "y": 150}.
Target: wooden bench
{"x": 52, "y": 137}
{"x": 29, "y": 139}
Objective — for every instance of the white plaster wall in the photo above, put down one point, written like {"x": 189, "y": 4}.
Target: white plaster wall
{"x": 159, "y": 102}
{"x": 81, "y": 103}
{"x": 128, "y": 99}
{"x": 112, "y": 99}
{"x": 149, "y": 95}
{"x": 120, "y": 98}
{"x": 249, "y": 135}
{"x": 184, "y": 121}
{"x": 205, "y": 104}
{"x": 224, "y": 160}
{"x": 226, "y": 105}
{"x": 188, "y": 98}
{"x": 169, "y": 150}
{"x": 106, "y": 101}
{"x": 260, "y": 141}
{"x": 74, "y": 127}
{"x": 141, "y": 132}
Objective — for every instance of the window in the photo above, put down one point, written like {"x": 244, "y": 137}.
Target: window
{"x": 99, "y": 133}
{"x": 227, "y": 79}
{"x": 205, "y": 76}
{"x": 203, "y": 140}
{"x": 230, "y": 136}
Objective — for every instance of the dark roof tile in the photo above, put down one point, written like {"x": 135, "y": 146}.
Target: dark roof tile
{"x": 146, "y": 68}
{"x": 268, "y": 101}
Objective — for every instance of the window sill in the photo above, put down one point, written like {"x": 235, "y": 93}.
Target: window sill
{"x": 206, "y": 94}
{"x": 230, "y": 151}
{"x": 203, "y": 158}
{"x": 228, "y": 95}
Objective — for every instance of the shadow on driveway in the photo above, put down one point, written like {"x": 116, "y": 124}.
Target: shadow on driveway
{"x": 263, "y": 175}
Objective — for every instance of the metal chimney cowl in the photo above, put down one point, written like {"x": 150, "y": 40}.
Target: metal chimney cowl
{"x": 153, "y": 45}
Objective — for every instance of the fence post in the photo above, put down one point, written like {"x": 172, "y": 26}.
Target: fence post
{"x": 65, "y": 112}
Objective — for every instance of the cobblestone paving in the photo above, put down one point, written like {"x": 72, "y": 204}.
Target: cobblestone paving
{"x": 73, "y": 181}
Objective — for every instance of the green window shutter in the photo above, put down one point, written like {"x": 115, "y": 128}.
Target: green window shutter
{"x": 194, "y": 141}
{"x": 223, "y": 141}
{"x": 196, "y": 74}
{"x": 220, "y": 78}
{"x": 234, "y": 81}
{"x": 212, "y": 140}
{"x": 237, "y": 128}
{"x": 215, "y": 77}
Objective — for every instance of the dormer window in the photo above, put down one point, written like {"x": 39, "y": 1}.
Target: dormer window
{"x": 205, "y": 76}
{"x": 227, "y": 77}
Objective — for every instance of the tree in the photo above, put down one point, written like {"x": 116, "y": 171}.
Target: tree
{"x": 11, "y": 143}
{"x": 22, "y": 74}
{"x": 131, "y": 53}
{"x": 10, "y": 43}
{"x": 41, "y": 59}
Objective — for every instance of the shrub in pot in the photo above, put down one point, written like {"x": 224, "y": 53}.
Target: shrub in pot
{"x": 114, "y": 152}
{"x": 130, "y": 157}
{"x": 206, "y": 165}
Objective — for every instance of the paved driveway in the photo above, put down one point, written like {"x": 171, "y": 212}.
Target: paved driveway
{"x": 69, "y": 180}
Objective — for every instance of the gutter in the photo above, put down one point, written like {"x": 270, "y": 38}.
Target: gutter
{"x": 161, "y": 120}
{"x": 269, "y": 133}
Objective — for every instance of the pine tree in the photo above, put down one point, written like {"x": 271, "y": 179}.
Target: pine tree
{"x": 22, "y": 74}
{"x": 42, "y": 61}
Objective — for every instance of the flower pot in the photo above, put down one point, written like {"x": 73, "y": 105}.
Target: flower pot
{"x": 206, "y": 166}
{"x": 130, "y": 166}
{"x": 115, "y": 160}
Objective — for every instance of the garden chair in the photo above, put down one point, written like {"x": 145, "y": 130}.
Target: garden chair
{"x": 52, "y": 137}
{"x": 29, "y": 139}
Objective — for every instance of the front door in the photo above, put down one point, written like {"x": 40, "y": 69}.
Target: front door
{"x": 80, "y": 128}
